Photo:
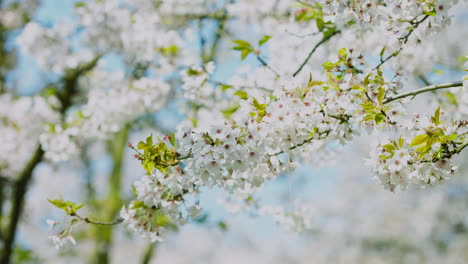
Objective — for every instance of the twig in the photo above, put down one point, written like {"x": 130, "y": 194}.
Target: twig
{"x": 264, "y": 63}
{"x": 404, "y": 40}
{"x": 149, "y": 253}
{"x": 94, "y": 222}
{"x": 300, "y": 144}
{"x": 423, "y": 90}
{"x": 325, "y": 39}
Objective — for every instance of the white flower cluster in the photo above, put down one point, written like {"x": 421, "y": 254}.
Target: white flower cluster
{"x": 160, "y": 197}
{"x": 254, "y": 10}
{"x": 136, "y": 30}
{"x": 297, "y": 220}
{"x": 196, "y": 85}
{"x": 105, "y": 113}
{"x": 64, "y": 238}
{"x": 22, "y": 120}
{"x": 274, "y": 120}
{"x": 240, "y": 156}
{"x": 392, "y": 14}
{"x": 13, "y": 14}
{"x": 223, "y": 157}
{"x": 421, "y": 156}
{"x": 51, "y": 47}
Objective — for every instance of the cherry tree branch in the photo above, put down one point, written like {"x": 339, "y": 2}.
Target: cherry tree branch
{"x": 95, "y": 222}
{"x": 324, "y": 39}
{"x": 308, "y": 140}
{"x": 264, "y": 63}
{"x": 423, "y": 90}
{"x": 70, "y": 82}
{"x": 404, "y": 40}
{"x": 19, "y": 192}
{"x": 149, "y": 253}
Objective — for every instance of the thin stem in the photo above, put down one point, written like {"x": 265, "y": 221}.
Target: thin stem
{"x": 324, "y": 39}
{"x": 423, "y": 90}
{"x": 94, "y": 222}
{"x": 218, "y": 34}
{"x": 245, "y": 87}
{"x": 149, "y": 253}
{"x": 300, "y": 144}
{"x": 304, "y": 3}
{"x": 404, "y": 40}
{"x": 447, "y": 155}
{"x": 264, "y": 63}
{"x": 424, "y": 79}
{"x": 460, "y": 149}
{"x": 2, "y": 199}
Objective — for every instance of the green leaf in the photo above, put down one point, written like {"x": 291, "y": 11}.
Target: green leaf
{"x": 230, "y": 110}
{"x": 69, "y": 207}
{"x": 389, "y": 148}
{"x": 424, "y": 151}
{"x": 451, "y": 137}
{"x": 192, "y": 72}
{"x": 343, "y": 53}
{"x": 379, "y": 118}
{"x": 80, "y": 4}
{"x": 381, "y": 94}
{"x": 328, "y": 33}
{"x": 222, "y": 225}
{"x": 264, "y": 40}
{"x": 162, "y": 220}
{"x": 78, "y": 207}
{"x": 452, "y": 98}
{"x": 328, "y": 65}
{"x": 148, "y": 165}
{"x": 437, "y": 116}
{"x": 258, "y": 106}
{"x": 320, "y": 24}
{"x": 224, "y": 87}
{"x": 61, "y": 204}
{"x": 312, "y": 83}
{"x": 242, "y": 43}
{"x": 172, "y": 50}
{"x": 242, "y": 94}
{"x": 401, "y": 141}
{"x": 245, "y": 53}
{"x": 149, "y": 140}
{"x": 172, "y": 139}
{"x": 382, "y": 53}
{"x": 384, "y": 157}
{"x": 138, "y": 204}
{"x": 418, "y": 140}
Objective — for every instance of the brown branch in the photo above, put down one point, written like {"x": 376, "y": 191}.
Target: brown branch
{"x": 19, "y": 193}
{"x": 264, "y": 63}
{"x": 324, "y": 39}
{"x": 404, "y": 40}
{"x": 423, "y": 90}
{"x": 70, "y": 81}
{"x": 95, "y": 222}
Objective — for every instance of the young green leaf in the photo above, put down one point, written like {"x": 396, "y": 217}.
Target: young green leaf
{"x": 264, "y": 40}
{"x": 242, "y": 94}
{"x": 418, "y": 140}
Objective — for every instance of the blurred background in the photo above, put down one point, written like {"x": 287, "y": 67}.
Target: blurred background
{"x": 354, "y": 220}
